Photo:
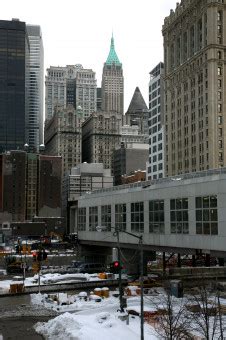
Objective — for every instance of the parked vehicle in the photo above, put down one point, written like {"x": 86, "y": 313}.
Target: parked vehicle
{"x": 90, "y": 268}
{"x": 16, "y": 267}
{"x": 76, "y": 264}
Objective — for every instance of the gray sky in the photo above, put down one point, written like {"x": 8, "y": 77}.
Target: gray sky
{"x": 79, "y": 32}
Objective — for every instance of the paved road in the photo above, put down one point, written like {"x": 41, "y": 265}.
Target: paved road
{"x": 17, "y": 318}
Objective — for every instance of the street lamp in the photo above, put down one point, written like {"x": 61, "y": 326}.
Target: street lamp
{"x": 140, "y": 237}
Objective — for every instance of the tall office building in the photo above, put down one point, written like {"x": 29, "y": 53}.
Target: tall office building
{"x": 30, "y": 185}
{"x": 63, "y": 136}
{"x": 155, "y": 167}
{"x": 112, "y": 83}
{"x": 14, "y": 77}
{"x": 35, "y": 89}
{"x": 101, "y": 133}
{"x": 70, "y": 85}
{"x": 195, "y": 78}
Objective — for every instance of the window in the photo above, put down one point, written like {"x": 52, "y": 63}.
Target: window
{"x": 106, "y": 217}
{"x": 93, "y": 218}
{"x": 206, "y": 215}
{"x": 219, "y": 55}
{"x": 82, "y": 219}
{"x": 220, "y": 120}
{"x": 156, "y": 217}
{"x": 219, "y": 71}
{"x": 137, "y": 217}
{"x": 179, "y": 216}
{"x": 120, "y": 216}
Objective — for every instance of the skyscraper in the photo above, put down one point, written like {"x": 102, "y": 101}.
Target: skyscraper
{"x": 195, "y": 78}
{"x": 70, "y": 85}
{"x": 112, "y": 83}
{"x": 30, "y": 185}
{"x": 14, "y": 76}
{"x": 35, "y": 101}
{"x": 101, "y": 133}
{"x": 156, "y": 119}
{"x": 63, "y": 136}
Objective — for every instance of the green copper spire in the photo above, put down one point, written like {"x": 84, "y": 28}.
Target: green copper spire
{"x": 112, "y": 56}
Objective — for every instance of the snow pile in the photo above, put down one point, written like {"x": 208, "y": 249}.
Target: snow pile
{"x": 64, "y": 326}
{"x": 95, "y": 326}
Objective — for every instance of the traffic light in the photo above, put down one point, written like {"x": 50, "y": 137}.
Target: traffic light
{"x": 41, "y": 255}
{"x": 115, "y": 267}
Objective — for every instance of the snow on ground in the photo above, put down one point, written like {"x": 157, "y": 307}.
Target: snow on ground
{"x": 4, "y": 286}
{"x": 65, "y": 302}
{"x": 47, "y": 279}
{"x": 92, "y": 320}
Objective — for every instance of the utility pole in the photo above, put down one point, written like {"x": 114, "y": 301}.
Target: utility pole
{"x": 141, "y": 289}
{"x": 120, "y": 275}
{"x": 140, "y": 237}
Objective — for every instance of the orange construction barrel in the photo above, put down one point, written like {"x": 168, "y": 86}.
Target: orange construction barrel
{"x": 98, "y": 291}
{"x": 105, "y": 292}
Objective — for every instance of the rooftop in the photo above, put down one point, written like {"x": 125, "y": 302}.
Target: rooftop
{"x": 179, "y": 178}
{"x": 112, "y": 58}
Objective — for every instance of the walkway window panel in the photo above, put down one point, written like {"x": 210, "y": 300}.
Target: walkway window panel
{"x": 206, "y": 215}
{"x": 179, "y": 216}
{"x": 137, "y": 217}
{"x": 93, "y": 218}
{"x": 106, "y": 216}
{"x": 81, "y": 219}
{"x": 156, "y": 217}
{"x": 120, "y": 216}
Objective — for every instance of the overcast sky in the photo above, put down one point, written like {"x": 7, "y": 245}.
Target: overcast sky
{"x": 79, "y": 32}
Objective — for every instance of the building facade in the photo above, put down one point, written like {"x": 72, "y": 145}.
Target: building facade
{"x": 155, "y": 168}
{"x": 63, "y": 136}
{"x": 81, "y": 179}
{"x": 112, "y": 83}
{"x": 86, "y": 91}
{"x": 195, "y": 78}
{"x": 13, "y": 186}
{"x": 99, "y": 99}
{"x": 14, "y": 79}
{"x": 30, "y": 185}
{"x": 35, "y": 88}
{"x": 137, "y": 113}
{"x": 49, "y": 186}
{"x": 128, "y": 158}
{"x": 70, "y": 85}
{"x": 130, "y": 134}
{"x": 101, "y": 133}
{"x": 32, "y": 177}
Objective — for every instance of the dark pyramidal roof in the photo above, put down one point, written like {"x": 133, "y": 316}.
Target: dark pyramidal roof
{"x": 137, "y": 103}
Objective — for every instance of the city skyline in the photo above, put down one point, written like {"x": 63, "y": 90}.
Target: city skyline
{"x": 72, "y": 35}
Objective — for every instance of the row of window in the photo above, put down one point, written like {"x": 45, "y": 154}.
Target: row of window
{"x": 205, "y": 209}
